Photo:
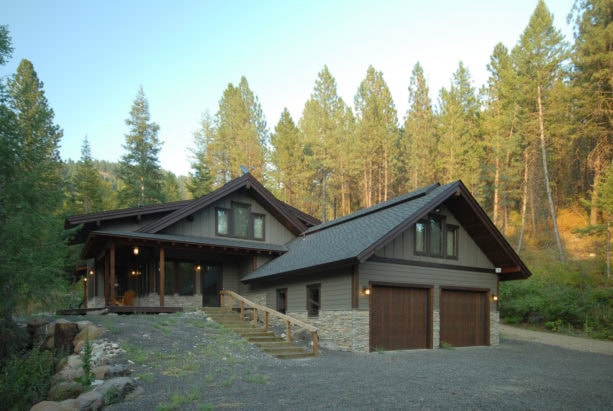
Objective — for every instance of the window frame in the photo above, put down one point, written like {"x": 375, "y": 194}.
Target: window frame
{"x": 427, "y": 237}
{"x": 456, "y": 240}
{"x": 231, "y": 223}
{"x": 313, "y": 307}
{"x": 281, "y": 296}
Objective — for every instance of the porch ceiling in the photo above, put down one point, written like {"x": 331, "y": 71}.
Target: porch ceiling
{"x": 97, "y": 239}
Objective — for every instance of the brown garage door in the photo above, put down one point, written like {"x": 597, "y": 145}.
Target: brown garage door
{"x": 399, "y": 318}
{"x": 464, "y": 318}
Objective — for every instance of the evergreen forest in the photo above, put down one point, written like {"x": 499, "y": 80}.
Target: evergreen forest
{"x": 533, "y": 145}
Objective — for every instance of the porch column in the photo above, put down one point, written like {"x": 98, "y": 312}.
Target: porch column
{"x": 161, "y": 276}
{"x": 107, "y": 275}
{"x": 112, "y": 279}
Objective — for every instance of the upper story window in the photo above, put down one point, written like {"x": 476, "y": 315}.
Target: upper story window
{"x": 239, "y": 222}
{"x": 435, "y": 238}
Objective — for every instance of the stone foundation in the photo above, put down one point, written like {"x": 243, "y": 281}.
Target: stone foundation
{"x": 188, "y": 302}
{"x": 341, "y": 330}
{"x": 494, "y": 327}
{"x": 436, "y": 329}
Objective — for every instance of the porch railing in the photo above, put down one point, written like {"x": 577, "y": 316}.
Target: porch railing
{"x": 230, "y": 296}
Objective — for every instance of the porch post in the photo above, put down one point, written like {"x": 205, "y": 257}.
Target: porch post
{"x": 112, "y": 279}
{"x": 107, "y": 275}
{"x": 161, "y": 276}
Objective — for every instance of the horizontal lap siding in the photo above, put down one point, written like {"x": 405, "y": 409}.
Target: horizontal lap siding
{"x": 406, "y": 274}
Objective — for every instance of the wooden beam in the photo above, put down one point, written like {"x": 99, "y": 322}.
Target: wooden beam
{"x": 162, "y": 276}
{"x": 112, "y": 279}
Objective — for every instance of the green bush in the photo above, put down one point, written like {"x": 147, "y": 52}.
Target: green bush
{"x": 560, "y": 297}
{"x": 25, "y": 380}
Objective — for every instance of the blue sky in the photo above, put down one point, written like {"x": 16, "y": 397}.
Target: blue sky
{"x": 93, "y": 55}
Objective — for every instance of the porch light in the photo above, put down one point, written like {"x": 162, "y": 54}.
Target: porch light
{"x": 494, "y": 297}
{"x": 135, "y": 250}
{"x": 198, "y": 267}
{"x": 91, "y": 272}
{"x": 365, "y": 291}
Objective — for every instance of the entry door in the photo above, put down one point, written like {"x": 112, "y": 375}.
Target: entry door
{"x": 211, "y": 285}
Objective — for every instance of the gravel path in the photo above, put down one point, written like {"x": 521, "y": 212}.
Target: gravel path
{"x": 185, "y": 362}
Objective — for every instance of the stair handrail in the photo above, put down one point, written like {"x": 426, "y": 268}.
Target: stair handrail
{"x": 289, "y": 321}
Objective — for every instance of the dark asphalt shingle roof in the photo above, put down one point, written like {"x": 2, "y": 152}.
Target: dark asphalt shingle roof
{"x": 354, "y": 237}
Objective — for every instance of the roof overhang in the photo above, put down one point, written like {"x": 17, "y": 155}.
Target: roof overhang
{"x": 98, "y": 239}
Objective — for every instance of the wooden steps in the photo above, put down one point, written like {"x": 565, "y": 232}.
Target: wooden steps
{"x": 267, "y": 341}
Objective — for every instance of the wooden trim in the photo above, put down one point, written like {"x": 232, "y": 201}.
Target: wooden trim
{"x": 355, "y": 287}
{"x": 461, "y": 288}
{"x": 399, "y": 285}
{"x": 162, "y": 273}
{"x": 112, "y": 278}
{"x": 427, "y": 264}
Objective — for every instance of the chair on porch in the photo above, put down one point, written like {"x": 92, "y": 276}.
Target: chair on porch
{"x": 127, "y": 299}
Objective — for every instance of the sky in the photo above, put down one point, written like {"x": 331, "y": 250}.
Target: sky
{"x": 93, "y": 55}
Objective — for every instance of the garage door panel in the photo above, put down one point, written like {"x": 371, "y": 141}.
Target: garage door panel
{"x": 400, "y": 318}
{"x": 464, "y": 318}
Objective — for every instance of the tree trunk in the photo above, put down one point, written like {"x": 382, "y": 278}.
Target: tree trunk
{"x": 496, "y": 192}
{"x": 552, "y": 210}
{"x": 524, "y": 204}
{"x": 594, "y": 200}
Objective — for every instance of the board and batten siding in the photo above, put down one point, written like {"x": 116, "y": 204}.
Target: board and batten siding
{"x": 438, "y": 278}
{"x": 469, "y": 254}
{"x": 203, "y": 222}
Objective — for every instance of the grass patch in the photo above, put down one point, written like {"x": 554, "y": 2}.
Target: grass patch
{"x": 257, "y": 379}
{"x": 179, "y": 401}
{"x": 136, "y": 353}
{"x": 446, "y": 346}
{"x": 146, "y": 377}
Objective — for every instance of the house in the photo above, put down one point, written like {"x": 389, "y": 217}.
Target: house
{"x": 416, "y": 271}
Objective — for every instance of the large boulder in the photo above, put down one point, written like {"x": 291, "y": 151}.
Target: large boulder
{"x": 88, "y": 332}
{"x": 65, "y": 390}
{"x": 66, "y": 405}
{"x": 64, "y": 334}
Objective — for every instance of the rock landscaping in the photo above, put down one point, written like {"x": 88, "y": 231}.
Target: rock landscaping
{"x": 108, "y": 380}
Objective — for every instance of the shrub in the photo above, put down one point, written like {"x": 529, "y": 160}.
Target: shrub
{"x": 25, "y": 380}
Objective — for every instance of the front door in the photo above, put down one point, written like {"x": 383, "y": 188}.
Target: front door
{"x": 211, "y": 285}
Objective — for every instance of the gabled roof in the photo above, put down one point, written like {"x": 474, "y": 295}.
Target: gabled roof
{"x": 356, "y": 237}
{"x": 294, "y": 222}
{"x": 169, "y": 213}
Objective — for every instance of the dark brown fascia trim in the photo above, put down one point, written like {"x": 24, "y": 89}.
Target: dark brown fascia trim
{"x": 75, "y": 220}
{"x": 135, "y": 240}
{"x": 400, "y": 285}
{"x": 367, "y": 253}
{"x": 493, "y": 230}
{"x": 299, "y": 273}
{"x": 427, "y": 264}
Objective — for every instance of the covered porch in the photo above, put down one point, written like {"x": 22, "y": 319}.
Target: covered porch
{"x": 128, "y": 271}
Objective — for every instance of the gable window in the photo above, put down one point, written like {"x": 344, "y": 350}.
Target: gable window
{"x": 434, "y": 238}
{"x": 453, "y": 232}
{"x": 313, "y": 299}
{"x": 238, "y": 221}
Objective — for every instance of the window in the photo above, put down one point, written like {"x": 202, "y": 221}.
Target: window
{"x": 238, "y": 221}
{"x": 282, "y": 300}
{"x": 434, "y": 238}
{"x": 452, "y": 241}
{"x": 313, "y": 299}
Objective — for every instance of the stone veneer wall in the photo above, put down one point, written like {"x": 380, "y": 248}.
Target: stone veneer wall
{"x": 347, "y": 330}
{"x": 494, "y": 327}
{"x": 188, "y": 302}
{"x": 436, "y": 329}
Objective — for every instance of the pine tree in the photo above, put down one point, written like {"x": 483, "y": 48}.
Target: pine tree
{"x": 377, "y": 137}
{"x": 539, "y": 57}
{"x": 501, "y": 140}
{"x": 327, "y": 125}
{"x": 593, "y": 82}
{"x": 459, "y": 141}
{"x": 200, "y": 178}
{"x": 240, "y": 137}
{"x": 32, "y": 247}
{"x": 288, "y": 160}
{"x": 140, "y": 168}
{"x": 418, "y": 144}
{"x": 89, "y": 186}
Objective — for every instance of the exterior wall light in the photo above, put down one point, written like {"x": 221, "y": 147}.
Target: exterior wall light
{"x": 494, "y": 297}
{"x": 135, "y": 250}
{"x": 365, "y": 291}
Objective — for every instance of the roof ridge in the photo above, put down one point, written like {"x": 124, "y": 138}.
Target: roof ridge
{"x": 374, "y": 209}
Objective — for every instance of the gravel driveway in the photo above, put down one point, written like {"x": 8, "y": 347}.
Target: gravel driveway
{"x": 186, "y": 362}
